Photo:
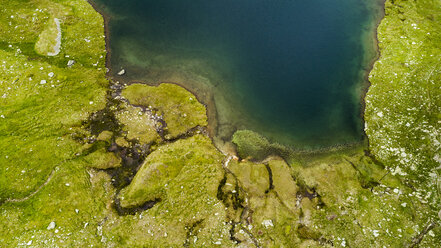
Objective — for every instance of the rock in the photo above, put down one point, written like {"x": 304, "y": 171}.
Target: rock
{"x": 70, "y": 63}
{"x": 122, "y": 72}
{"x": 50, "y": 74}
{"x": 105, "y": 136}
{"x": 51, "y": 226}
{"x": 267, "y": 223}
{"x": 43, "y": 81}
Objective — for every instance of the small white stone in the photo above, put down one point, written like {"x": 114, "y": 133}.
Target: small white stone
{"x": 403, "y": 204}
{"x": 56, "y": 231}
{"x": 67, "y": 184}
{"x": 91, "y": 102}
{"x": 51, "y": 226}
{"x": 122, "y": 72}
{"x": 77, "y": 211}
{"x": 267, "y": 223}
{"x": 29, "y": 243}
{"x": 375, "y": 232}
{"x": 380, "y": 114}
{"x": 70, "y": 62}
{"x": 431, "y": 233}
{"x": 50, "y": 74}
{"x": 43, "y": 81}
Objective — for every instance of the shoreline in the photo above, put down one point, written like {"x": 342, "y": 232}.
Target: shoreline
{"x": 212, "y": 114}
{"x": 211, "y": 110}
{"x": 367, "y": 84}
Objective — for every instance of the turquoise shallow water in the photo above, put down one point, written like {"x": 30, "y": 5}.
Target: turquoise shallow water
{"x": 289, "y": 69}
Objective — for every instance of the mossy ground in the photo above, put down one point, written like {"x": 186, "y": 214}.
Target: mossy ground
{"x": 179, "y": 108}
{"x": 403, "y": 105}
{"x": 62, "y": 132}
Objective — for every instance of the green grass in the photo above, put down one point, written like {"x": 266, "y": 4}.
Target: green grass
{"x": 403, "y": 105}
{"x": 179, "y": 108}
{"x": 253, "y": 146}
{"x": 47, "y": 42}
{"x": 163, "y": 166}
{"x": 138, "y": 124}
{"x": 51, "y": 166}
{"x": 38, "y": 111}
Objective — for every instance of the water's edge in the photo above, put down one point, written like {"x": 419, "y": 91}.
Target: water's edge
{"x": 207, "y": 98}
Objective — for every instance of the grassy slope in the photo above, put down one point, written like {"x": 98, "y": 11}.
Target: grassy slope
{"x": 179, "y": 108}
{"x": 38, "y": 116}
{"x": 337, "y": 198}
{"x": 40, "y": 119}
{"x": 403, "y": 105}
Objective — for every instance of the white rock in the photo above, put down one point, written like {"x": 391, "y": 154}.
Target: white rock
{"x": 267, "y": 223}
{"x": 380, "y": 114}
{"x": 29, "y": 243}
{"x": 70, "y": 63}
{"x": 50, "y": 74}
{"x": 51, "y": 226}
{"x": 57, "y": 46}
{"x": 43, "y": 81}
{"x": 404, "y": 204}
{"x": 122, "y": 72}
{"x": 375, "y": 232}
{"x": 77, "y": 211}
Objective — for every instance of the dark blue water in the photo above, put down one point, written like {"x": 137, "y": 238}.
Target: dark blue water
{"x": 288, "y": 69}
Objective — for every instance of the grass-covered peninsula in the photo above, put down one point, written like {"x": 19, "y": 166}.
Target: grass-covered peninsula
{"x": 89, "y": 161}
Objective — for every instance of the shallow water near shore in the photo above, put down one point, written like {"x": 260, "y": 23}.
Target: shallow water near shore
{"x": 291, "y": 70}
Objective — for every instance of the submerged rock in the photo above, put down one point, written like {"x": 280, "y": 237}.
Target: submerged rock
{"x": 121, "y": 72}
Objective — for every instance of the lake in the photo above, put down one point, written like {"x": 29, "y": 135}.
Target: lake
{"x": 291, "y": 70}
